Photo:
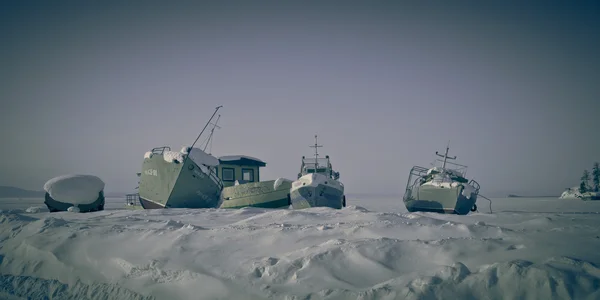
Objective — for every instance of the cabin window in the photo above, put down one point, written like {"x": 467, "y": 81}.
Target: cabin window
{"x": 228, "y": 174}
{"x": 248, "y": 175}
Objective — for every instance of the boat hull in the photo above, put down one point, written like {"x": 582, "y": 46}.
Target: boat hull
{"x": 176, "y": 185}
{"x": 316, "y": 190}
{"x": 430, "y": 198}
{"x": 56, "y": 206}
{"x": 257, "y": 194}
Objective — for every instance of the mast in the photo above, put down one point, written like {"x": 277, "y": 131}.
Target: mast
{"x": 201, "y": 132}
{"x": 212, "y": 131}
{"x": 445, "y": 156}
{"x": 316, "y": 152}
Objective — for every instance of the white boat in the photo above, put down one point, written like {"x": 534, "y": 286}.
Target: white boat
{"x": 317, "y": 184}
{"x": 441, "y": 189}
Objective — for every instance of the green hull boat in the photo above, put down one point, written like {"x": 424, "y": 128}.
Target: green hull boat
{"x": 177, "y": 183}
{"x": 264, "y": 194}
{"x": 184, "y": 179}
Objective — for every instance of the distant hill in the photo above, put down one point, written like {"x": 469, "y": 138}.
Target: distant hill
{"x": 114, "y": 195}
{"x": 14, "y": 192}
{"x": 534, "y": 196}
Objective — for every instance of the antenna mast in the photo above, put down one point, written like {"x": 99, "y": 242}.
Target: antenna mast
{"x": 201, "y": 132}
{"x": 445, "y": 156}
{"x": 212, "y": 131}
{"x": 316, "y": 152}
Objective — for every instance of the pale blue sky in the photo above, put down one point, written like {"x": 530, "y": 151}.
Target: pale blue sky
{"x": 88, "y": 88}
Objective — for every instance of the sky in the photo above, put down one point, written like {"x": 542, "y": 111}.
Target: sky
{"x": 89, "y": 87}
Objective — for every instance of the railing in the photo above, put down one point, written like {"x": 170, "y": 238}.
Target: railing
{"x": 462, "y": 169}
{"x": 213, "y": 175}
{"x": 160, "y": 150}
{"x": 476, "y": 185}
{"x": 132, "y": 199}
{"x": 324, "y": 166}
{"x": 420, "y": 173}
{"x": 417, "y": 171}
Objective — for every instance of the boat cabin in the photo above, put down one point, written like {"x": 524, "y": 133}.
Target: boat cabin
{"x": 240, "y": 168}
{"x": 318, "y": 165}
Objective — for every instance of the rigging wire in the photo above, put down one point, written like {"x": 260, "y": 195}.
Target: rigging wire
{"x": 488, "y": 199}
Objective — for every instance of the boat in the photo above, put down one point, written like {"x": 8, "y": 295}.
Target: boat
{"x": 240, "y": 175}
{"x": 318, "y": 184}
{"x": 242, "y": 186}
{"x": 442, "y": 189}
{"x": 74, "y": 193}
{"x": 180, "y": 179}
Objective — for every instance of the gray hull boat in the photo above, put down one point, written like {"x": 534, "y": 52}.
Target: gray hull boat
{"x": 441, "y": 189}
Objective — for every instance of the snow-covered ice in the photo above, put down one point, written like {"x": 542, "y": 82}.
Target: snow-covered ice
{"x": 75, "y": 189}
{"x": 544, "y": 248}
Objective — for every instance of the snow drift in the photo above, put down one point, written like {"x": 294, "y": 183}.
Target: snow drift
{"x": 545, "y": 252}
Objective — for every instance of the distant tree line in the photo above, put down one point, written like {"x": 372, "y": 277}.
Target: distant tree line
{"x": 584, "y": 186}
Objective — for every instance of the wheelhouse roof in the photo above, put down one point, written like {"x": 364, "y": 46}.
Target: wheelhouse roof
{"x": 241, "y": 160}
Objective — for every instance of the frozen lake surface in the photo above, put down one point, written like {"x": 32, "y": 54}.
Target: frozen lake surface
{"x": 528, "y": 248}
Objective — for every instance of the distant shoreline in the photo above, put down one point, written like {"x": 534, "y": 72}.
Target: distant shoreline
{"x": 517, "y": 196}
{"x": 11, "y": 192}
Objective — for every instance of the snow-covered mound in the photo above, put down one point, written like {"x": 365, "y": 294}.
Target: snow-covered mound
{"x": 442, "y": 171}
{"x": 279, "y": 181}
{"x": 317, "y": 253}
{"x": 34, "y": 209}
{"x": 573, "y": 193}
{"x": 75, "y": 189}
{"x": 201, "y": 157}
{"x": 197, "y": 155}
{"x": 468, "y": 190}
{"x": 447, "y": 178}
{"x": 173, "y": 156}
{"x": 73, "y": 209}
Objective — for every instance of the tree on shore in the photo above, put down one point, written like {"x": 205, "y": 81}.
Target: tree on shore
{"x": 585, "y": 178}
{"x": 596, "y": 176}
